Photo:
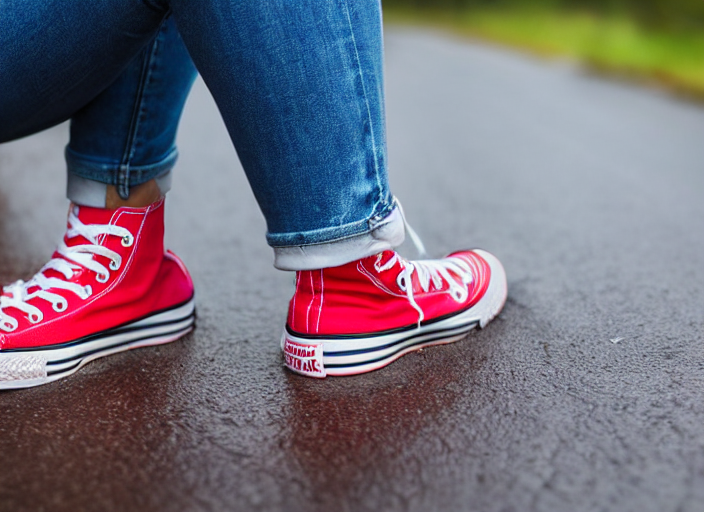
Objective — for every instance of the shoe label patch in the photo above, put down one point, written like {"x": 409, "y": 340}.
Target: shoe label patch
{"x": 304, "y": 359}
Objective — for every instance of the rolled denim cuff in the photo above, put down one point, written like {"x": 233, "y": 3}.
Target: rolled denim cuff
{"x": 92, "y": 193}
{"x": 382, "y": 235}
{"x": 111, "y": 172}
{"x": 88, "y": 177}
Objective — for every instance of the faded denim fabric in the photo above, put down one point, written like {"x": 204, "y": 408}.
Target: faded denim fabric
{"x": 299, "y": 84}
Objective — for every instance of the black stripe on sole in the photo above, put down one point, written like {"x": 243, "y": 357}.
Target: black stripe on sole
{"x": 110, "y": 348}
{"x": 433, "y": 336}
{"x": 469, "y": 326}
{"x": 126, "y": 342}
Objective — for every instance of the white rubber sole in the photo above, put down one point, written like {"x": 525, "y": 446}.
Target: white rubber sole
{"x": 24, "y": 368}
{"x": 320, "y": 357}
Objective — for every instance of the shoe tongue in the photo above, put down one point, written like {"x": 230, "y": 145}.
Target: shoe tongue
{"x": 381, "y": 260}
{"x": 87, "y": 215}
{"x": 384, "y": 257}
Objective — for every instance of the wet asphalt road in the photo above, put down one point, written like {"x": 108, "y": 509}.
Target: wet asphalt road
{"x": 586, "y": 394}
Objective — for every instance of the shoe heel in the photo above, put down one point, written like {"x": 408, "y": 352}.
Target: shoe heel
{"x": 304, "y": 358}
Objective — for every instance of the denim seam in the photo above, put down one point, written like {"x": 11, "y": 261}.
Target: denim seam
{"x": 125, "y": 169}
{"x": 379, "y": 199}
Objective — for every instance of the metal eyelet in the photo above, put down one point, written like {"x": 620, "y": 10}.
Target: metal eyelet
{"x": 35, "y": 318}
{"x": 60, "y": 307}
{"x": 127, "y": 241}
{"x": 102, "y": 278}
{"x": 7, "y": 326}
{"x": 114, "y": 265}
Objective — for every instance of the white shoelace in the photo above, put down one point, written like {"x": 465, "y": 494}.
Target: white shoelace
{"x": 80, "y": 255}
{"x": 428, "y": 271}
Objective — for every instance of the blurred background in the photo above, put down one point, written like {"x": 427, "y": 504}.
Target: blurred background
{"x": 660, "y": 42}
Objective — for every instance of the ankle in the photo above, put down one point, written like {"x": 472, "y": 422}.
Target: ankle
{"x": 140, "y": 196}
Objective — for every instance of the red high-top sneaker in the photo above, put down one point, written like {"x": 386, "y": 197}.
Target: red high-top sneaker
{"x": 109, "y": 287}
{"x": 363, "y": 315}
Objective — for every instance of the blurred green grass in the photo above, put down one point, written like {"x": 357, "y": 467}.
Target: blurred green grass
{"x": 613, "y": 43}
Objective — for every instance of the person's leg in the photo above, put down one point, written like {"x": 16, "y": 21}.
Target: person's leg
{"x": 117, "y": 68}
{"x": 55, "y": 57}
{"x": 110, "y": 285}
{"x": 123, "y": 143}
{"x": 300, "y": 86}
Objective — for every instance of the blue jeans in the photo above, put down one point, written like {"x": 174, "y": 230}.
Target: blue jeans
{"x": 299, "y": 84}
